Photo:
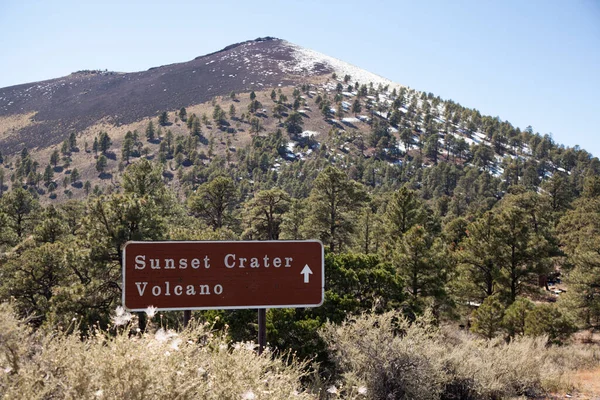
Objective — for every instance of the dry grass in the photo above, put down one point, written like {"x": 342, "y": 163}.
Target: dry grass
{"x": 193, "y": 364}
{"x": 377, "y": 357}
{"x": 10, "y": 124}
{"x": 395, "y": 359}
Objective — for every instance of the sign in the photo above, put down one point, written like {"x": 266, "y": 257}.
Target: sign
{"x": 222, "y": 275}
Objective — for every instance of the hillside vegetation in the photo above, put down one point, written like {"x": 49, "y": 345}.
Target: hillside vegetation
{"x": 483, "y": 236}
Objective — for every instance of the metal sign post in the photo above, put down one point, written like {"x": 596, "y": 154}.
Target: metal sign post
{"x": 262, "y": 330}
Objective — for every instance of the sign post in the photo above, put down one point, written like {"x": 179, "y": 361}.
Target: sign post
{"x": 194, "y": 275}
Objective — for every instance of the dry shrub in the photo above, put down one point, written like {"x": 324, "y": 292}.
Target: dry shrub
{"x": 193, "y": 364}
{"x": 394, "y": 359}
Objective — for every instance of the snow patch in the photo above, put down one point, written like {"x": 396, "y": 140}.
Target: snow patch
{"x": 307, "y": 60}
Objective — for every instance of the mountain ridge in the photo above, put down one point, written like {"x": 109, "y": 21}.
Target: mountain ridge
{"x": 77, "y": 101}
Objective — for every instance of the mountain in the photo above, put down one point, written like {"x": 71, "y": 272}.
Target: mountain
{"x": 308, "y": 106}
{"x": 43, "y": 113}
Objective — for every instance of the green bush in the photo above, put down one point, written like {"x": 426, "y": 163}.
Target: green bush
{"x": 546, "y": 319}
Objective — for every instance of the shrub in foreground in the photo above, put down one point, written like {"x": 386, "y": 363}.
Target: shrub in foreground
{"x": 393, "y": 358}
{"x": 193, "y": 364}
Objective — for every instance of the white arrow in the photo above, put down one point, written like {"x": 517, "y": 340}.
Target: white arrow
{"x": 306, "y": 271}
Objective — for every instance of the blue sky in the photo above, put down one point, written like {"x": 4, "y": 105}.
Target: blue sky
{"x": 529, "y": 62}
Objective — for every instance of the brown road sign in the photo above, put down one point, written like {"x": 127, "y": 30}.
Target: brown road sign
{"x": 236, "y": 274}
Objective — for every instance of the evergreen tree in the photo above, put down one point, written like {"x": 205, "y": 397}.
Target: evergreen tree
{"x": 403, "y": 211}
{"x": 333, "y": 202}
{"x": 74, "y": 176}
{"x": 264, "y": 214}
{"x": 582, "y": 300}
{"x": 163, "y": 118}
{"x": 55, "y": 158}
{"x": 487, "y": 319}
{"x": 294, "y": 123}
{"x": 65, "y": 149}
{"x": 190, "y": 121}
{"x": 292, "y": 220}
{"x": 19, "y": 206}
{"x": 278, "y": 111}
{"x": 182, "y": 114}
{"x": 212, "y": 202}
{"x": 218, "y": 115}
{"x": 127, "y": 149}
{"x": 559, "y": 191}
{"x": 419, "y": 266}
{"x": 196, "y": 128}
{"x": 516, "y": 315}
{"x": 546, "y": 319}
{"x": 48, "y": 175}
{"x": 254, "y": 106}
{"x": 520, "y": 250}
{"x": 432, "y": 148}
{"x": 72, "y": 141}
{"x": 150, "y": 132}
{"x": 104, "y": 142}
{"x": 101, "y": 164}
{"x": 478, "y": 258}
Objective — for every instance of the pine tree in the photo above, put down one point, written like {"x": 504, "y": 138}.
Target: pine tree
{"x": 516, "y": 315}
{"x": 55, "y": 158}
{"x": 419, "y": 266}
{"x": 20, "y": 207}
{"x": 294, "y": 122}
{"x": 292, "y": 220}
{"x": 163, "y": 118}
{"x": 487, "y": 319}
{"x": 547, "y": 320}
{"x": 403, "y": 211}
{"x": 127, "y": 149}
{"x": 190, "y": 121}
{"x": 104, "y": 142}
{"x": 264, "y": 214}
{"x": 356, "y": 107}
{"x": 101, "y": 164}
{"x": 150, "y": 132}
{"x": 73, "y": 141}
{"x": 196, "y": 128}
{"x": 212, "y": 202}
{"x": 74, "y": 176}
{"x": 478, "y": 258}
{"x": 582, "y": 300}
{"x": 182, "y": 114}
{"x": 48, "y": 175}
{"x": 333, "y": 202}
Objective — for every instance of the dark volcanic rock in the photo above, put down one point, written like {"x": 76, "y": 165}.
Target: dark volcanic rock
{"x": 82, "y": 99}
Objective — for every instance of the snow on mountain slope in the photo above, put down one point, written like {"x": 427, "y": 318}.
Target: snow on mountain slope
{"x": 308, "y": 60}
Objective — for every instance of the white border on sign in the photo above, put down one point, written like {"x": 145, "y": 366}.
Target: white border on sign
{"x": 227, "y": 307}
